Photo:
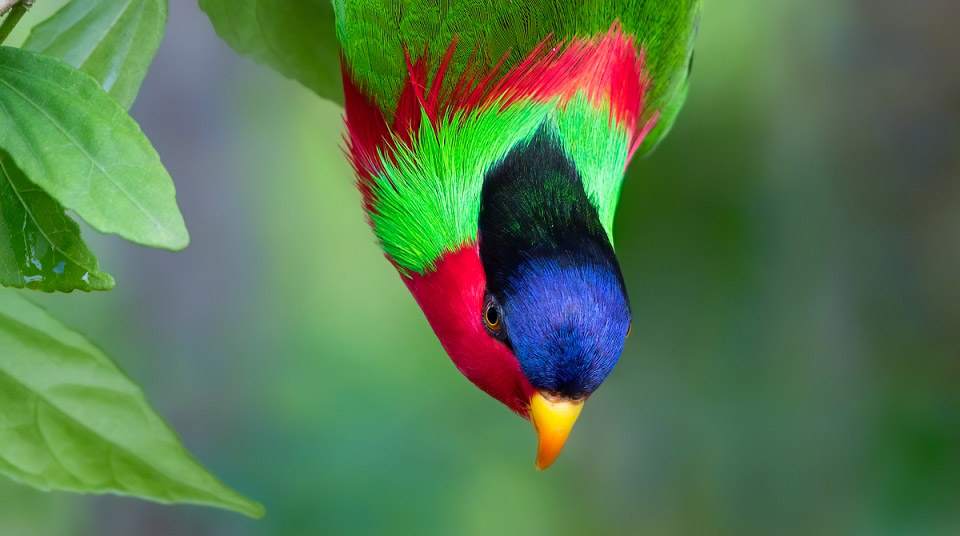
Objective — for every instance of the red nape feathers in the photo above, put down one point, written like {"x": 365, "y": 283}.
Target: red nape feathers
{"x": 607, "y": 68}
{"x": 452, "y": 297}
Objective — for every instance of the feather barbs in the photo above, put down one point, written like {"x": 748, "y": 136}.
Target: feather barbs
{"x": 592, "y": 87}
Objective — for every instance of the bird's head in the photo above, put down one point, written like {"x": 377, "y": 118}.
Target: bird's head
{"x": 565, "y": 322}
{"x": 535, "y": 312}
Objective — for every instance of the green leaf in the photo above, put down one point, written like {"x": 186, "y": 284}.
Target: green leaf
{"x": 71, "y": 420}
{"x": 113, "y": 41}
{"x": 297, "y": 38}
{"x": 78, "y": 144}
{"x": 40, "y": 247}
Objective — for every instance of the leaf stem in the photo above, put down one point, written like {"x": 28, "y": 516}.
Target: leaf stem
{"x": 13, "y": 17}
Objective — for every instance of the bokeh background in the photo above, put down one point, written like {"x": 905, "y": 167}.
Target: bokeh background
{"x": 792, "y": 251}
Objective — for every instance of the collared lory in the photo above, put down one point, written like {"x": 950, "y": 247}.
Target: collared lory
{"x": 490, "y": 139}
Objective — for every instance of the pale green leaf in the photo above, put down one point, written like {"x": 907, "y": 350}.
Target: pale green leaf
{"x": 78, "y": 144}
{"x": 71, "y": 420}
{"x": 112, "y": 41}
{"x": 40, "y": 247}
{"x": 297, "y": 38}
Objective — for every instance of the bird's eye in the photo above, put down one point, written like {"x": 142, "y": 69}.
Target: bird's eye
{"x": 491, "y": 317}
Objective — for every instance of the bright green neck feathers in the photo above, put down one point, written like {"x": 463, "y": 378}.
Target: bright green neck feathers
{"x": 428, "y": 200}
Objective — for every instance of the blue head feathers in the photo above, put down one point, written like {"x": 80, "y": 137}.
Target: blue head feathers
{"x": 566, "y": 323}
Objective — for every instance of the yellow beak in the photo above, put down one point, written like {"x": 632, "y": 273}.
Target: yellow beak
{"x": 553, "y": 417}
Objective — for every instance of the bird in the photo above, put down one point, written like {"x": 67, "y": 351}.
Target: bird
{"x": 490, "y": 139}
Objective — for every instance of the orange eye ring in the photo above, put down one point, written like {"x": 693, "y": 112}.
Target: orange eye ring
{"x": 491, "y": 317}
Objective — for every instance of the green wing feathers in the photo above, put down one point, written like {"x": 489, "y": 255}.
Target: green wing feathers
{"x": 374, "y": 35}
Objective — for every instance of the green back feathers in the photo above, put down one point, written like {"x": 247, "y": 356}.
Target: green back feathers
{"x": 373, "y": 34}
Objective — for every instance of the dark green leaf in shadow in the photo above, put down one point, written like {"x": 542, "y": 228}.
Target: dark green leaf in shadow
{"x": 112, "y": 41}
{"x": 78, "y": 144}
{"x": 40, "y": 246}
{"x": 295, "y": 38}
{"x": 71, "y": 420}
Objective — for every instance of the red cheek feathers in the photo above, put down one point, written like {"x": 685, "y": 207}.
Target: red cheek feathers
{"x": 451, "y": 296}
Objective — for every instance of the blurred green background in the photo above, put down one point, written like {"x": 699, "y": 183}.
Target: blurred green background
{"x": 792, "y": 251}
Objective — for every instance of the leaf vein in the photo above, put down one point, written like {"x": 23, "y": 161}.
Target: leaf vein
{"x": 76, "y": 144}
{"x": 83, "y": 425}
{"x": 37, "y": 224}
